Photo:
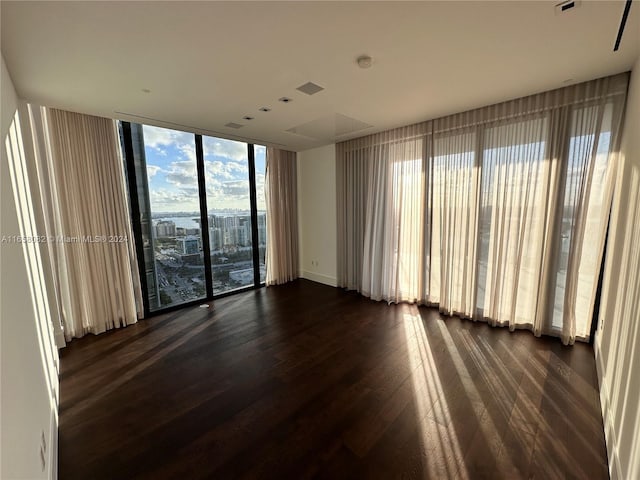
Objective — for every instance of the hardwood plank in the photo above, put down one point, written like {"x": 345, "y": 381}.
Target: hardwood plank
{"x": 308, "y": 381}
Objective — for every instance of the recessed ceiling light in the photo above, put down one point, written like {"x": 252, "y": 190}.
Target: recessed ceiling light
{"x": 264, "y": 109}
{"x": 233, "y": 125}
{"x": 284, "y": 99}
{"x": 146, "y": 90}
{"x": 247, "y": 117}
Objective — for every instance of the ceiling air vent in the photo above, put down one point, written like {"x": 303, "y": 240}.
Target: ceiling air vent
{"x": 310, "y": 88}
{"x": 233, "y": 125}
{"x": 567, "y": 5}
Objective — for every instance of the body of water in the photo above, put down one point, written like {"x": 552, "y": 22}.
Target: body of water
{"x": 184, "y": 222}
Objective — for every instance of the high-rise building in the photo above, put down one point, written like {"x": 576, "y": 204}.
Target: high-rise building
{"x": 262, "y": 228}
{"x": 234, "y": 231}
{"x": 165, "y": 228}
{"x": 189, "y": 245}
{"x": 216, "y": 238}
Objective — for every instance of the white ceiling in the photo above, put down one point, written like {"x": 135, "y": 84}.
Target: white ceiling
{"x": 211, "y": 63}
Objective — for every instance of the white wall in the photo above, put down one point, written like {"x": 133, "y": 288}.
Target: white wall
{"x": 317, "y": 214}
{"x": 28, "y": 359}
{"x": 617, "y": 342}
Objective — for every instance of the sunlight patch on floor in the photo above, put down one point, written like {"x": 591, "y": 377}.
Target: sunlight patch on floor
{"x": 442, "y": 456}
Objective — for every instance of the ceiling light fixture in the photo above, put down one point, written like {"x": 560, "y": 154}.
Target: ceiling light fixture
{"x": 284, "y": 99}
{"x": 146, "y": 90}
{"x": 247, "y": 117}
{"x": 364, "y": 61}
{"x": 264, "y": 109}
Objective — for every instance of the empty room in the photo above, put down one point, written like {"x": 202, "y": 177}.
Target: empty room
{"x": 332, "y": 240}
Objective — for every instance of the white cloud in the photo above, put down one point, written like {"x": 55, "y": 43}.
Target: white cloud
{"x": 160, "y": 151}
{"x": 183, "y": 174}
{"x": 220, "y": 147}
{"x": 160, "y": 138}
{"x": 188, "y": 151}
{"x": 237, "y": 189}
{"x": 163, "y": 200}
{"x": 217, "y": 170}
{"x": 156, "y": 137}
{"x": 152, "y": 170}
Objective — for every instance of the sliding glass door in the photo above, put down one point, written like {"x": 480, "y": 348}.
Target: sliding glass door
{"x": 198, "y": 210}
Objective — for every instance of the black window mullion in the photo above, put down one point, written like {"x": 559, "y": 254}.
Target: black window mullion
{"x": 135, "y": 213}
{"x": 254, "y": 216}
{"x": 204, "y": 217}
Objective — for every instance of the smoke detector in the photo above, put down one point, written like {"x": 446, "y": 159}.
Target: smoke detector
{"x": 364, "y": 61}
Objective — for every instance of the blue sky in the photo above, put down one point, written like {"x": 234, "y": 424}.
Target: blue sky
{"x": 171, "y": 172}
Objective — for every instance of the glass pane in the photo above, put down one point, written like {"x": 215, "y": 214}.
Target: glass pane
{"x": 595, "y": 229}
{"x": 177, "y": 264}
{"x": 588, "y": 152}
{"x": 230, "y": 238}
{"x": 454, "y": 179}
{"x": 406, "y": 202}
{"x": 260, "y": 155}
{"x": 512, "y": 218}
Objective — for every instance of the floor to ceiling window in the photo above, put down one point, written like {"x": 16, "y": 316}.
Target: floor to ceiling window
{"x": 229, "y": 209}
{"x": 511, "y": 221}
{"x": 198, "y": 210}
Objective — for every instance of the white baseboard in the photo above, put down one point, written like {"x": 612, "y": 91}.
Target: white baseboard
{"x": 52, "y": 452}
{"x": 615, "y": 471}
{"x": 320, "y": 278}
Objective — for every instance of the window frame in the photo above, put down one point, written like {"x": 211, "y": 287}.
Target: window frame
{"x": 131, "y": 166}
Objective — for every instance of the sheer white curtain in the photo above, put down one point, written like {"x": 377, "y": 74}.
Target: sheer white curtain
{"x": 381, "y": 216}
{"x": 496, "y": 214}
{"x": 87, "y": 221}
{"x": 282, "y": 216}
{"x": 453, "y": 211}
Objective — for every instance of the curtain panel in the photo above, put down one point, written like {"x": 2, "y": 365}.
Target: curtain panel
{"x": 282, "y": 216}
{"x": 87, "y": 221}
{"x": 496, "y": 214}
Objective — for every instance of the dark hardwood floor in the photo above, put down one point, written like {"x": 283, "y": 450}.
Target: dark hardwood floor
{"x": 307, "y": 381}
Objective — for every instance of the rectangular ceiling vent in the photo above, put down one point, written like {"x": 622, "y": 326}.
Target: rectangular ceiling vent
{"x": 567, "y": 5}
{"x": 310, "y": 88}
{"x": 330, "y": 128}
{"x": 233, "y": 125}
